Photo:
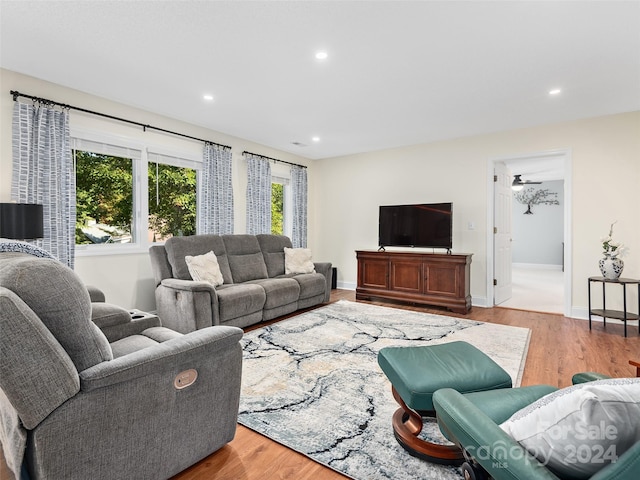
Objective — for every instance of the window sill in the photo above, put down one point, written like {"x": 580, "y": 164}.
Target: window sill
{"x": 100, "y": 250}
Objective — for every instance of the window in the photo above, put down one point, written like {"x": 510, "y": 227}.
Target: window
{"x": 104, "y": 193}
{"x": 281, "y": 201}
{"x": 172, "y": 200}
{"x": 277, "y": 208}
{"x": 116, "y": 203}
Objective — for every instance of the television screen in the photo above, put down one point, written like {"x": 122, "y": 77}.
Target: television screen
{"x": 423, "y": 225}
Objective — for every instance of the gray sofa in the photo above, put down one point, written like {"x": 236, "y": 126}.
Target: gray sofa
{"x": 255, "y": 286}
{"x": 75, "y": 406}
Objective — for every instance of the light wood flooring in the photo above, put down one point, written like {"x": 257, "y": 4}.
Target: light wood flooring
{"x": 559, "y": 348}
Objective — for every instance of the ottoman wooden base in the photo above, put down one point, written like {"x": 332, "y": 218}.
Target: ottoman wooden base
{"x": 416, "y": 373}
{"x": 407, "y": 425}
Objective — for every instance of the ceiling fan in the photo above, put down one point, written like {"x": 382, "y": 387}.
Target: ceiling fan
{"x": 518, "y": 184}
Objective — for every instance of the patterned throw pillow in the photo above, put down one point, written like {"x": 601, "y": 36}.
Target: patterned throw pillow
{"x": 205, "y": 268}
{"x": 298, "y": 260}
{"x": 578, "y": 430}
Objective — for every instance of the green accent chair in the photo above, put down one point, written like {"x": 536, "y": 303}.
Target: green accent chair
{"x": 472, "y": 421}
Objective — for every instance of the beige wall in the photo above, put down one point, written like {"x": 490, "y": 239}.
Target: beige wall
{"x": 605, "y": 157}
{"x": 345, "y": 192}
{"x": 127, "y": 279}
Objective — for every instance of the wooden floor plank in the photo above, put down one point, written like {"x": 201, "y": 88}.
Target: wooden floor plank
{"x": 559, "y": 347}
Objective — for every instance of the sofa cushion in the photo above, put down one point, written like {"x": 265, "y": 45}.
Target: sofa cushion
{"x": 272, "y": 247}
{"x": 298, "y": 260}
{"x": 238, "y": 300}
{"x": 205, "y": 268}
{"x": 311, "y": 284}
{"x": 245, "y": 258}
{"x": 279, "y": 291}
{"x": 179, "y": 247}
{"x": 578, "y": 430}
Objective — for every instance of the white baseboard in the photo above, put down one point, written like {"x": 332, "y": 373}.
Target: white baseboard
{"x": 580, "y": 313}
{"x": 480, "y": 302}
{"x": 475, "y": 301}
{"x": 346, "y": 285}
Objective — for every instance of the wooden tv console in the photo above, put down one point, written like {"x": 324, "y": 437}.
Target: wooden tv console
{"x": 424, "y": 278}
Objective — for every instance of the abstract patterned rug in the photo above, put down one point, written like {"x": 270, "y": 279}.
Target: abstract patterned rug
{"x": 312, "y": 383}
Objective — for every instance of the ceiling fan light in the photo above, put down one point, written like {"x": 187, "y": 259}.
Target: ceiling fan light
{"x": 517, "y": 184}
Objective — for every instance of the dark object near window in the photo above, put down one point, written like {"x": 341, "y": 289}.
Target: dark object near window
{"x": 21, "y": 221}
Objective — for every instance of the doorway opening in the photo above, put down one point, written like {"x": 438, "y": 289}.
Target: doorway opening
{"x": 529, "y": 266}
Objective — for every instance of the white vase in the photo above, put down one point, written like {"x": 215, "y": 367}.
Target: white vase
{"x": 611, "y": 266}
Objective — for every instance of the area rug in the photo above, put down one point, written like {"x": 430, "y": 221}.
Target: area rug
{"x": 313, "y": 384}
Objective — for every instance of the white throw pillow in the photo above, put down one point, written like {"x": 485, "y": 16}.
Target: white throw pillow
{"x": 205, "y": 268}
{"x": 578, "y": 430}
{"x": 298, "y": 260}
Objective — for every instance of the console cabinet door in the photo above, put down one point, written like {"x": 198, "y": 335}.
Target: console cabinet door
{"x": 373, "y": 273}
{"x": 406, "y": 276}
{"x": 441, "y": 279}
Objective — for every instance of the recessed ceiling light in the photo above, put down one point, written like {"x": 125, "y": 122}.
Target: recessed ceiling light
{"x": 321, "y": 55}
{"x": 208, "y": 97}
{"x": 555, "y": 91}
{"x": 316, "y": 139}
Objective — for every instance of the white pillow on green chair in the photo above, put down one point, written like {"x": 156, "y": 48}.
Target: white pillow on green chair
{"x": 578, "y": 430}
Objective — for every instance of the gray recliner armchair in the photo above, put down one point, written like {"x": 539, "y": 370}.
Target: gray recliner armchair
{"x": 74, "y": 406}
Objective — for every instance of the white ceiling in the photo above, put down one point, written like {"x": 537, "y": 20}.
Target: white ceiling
{"x": 398, "y": 73}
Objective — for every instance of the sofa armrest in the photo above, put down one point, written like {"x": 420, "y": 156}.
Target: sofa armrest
{"x": 188, "y": 285}
{"x": 484, "y": 440}
{"x": 325, "y": 269}
{"x": 187, "y": 305}
{"x": 187, "y": 351}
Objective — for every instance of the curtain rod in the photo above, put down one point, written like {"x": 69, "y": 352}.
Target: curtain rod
{"x": 144, "y": 126}
{"x": 275, "y": 159}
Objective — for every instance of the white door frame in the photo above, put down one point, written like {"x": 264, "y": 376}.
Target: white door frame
{"x": 568, "y": 264}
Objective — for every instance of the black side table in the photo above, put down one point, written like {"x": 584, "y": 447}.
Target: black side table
{"x": 620, "y": 315}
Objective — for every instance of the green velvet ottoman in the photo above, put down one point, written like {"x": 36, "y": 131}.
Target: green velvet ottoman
{"x": 416, "y": 373}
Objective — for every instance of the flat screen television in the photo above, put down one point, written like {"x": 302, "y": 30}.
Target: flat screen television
{"x": 427, "y": 225}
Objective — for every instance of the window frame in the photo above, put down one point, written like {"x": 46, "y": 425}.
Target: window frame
{"x": 140, "y": 220}
{"x": 282, "y": 174}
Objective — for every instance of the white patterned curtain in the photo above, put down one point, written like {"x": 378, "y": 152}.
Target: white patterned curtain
{"x": 215, "y": 192}
{"x": 43, "y": 173}
{"x": 258, "y": 194}
{"x": 299, "y": 194}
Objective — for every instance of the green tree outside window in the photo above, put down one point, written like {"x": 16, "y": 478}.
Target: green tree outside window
{"x": 172, "y": 201}
{"x": 277, "y": 208}
{"x": 104, "y": 199}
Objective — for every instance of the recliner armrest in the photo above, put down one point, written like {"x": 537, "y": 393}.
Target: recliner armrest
{"x": 625, "y": 468}
{"x": 199, "y": 347}
{"x": 484, "y": 440}
{"x": 584, "y": 377}
{"x": 95, "y": 294}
